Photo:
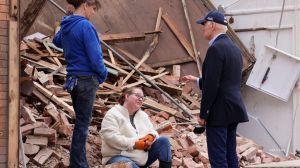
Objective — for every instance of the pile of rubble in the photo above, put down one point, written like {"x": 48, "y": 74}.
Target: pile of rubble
{"x": 47, "y": 115}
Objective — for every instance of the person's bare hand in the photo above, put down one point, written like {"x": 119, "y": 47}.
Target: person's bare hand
{"x": 188, "y": 78}
{"x": 201, "y": 121}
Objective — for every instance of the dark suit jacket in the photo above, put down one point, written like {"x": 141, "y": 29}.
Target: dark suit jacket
{"x": 222, "y": 103}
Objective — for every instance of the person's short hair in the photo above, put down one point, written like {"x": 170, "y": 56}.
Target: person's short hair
{"x": 127, "y": 91}
{"x": 77, "y": 3}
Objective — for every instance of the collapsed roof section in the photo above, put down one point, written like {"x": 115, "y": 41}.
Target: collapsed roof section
{"x": 140, "y": 16}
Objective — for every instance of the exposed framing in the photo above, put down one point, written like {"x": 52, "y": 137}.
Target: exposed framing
{"x": 13, "y": 85}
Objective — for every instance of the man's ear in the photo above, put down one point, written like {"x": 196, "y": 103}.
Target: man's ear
{"x": 85, "y": 5}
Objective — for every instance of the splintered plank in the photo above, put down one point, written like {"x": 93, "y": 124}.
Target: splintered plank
{"x": 54, "y": 98}
{"x": 46, "y": 64}
{"x": 144, "y": 81}
{"x": 172, "y": 90}
{"x": 133, "y": 58}
{"x": 111, "y": 56}
{"x": 37, "y": 140}
{"x": 112, "y": 87}
{"x": 153, "y": 104}
{"x": 115, "y": 67}
{"x": 34, "y": 47}
{"x": 42, "y": 156}
{"x": 179, "y": 35}
{"x": 194, "y": 102}
{"x": 122, "y": 37}
{"x": 149, "y": 50}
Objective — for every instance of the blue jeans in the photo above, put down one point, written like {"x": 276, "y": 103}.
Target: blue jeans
{"x": 221, "y": 145}
{"x": 160, "y": 149}
{"x": 83, "y": 97}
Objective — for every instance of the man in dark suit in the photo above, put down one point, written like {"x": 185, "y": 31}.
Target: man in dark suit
{"x": 222, "y": 107}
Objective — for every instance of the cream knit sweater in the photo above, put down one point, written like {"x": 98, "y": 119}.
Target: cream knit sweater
{"x": 118, "y": 135}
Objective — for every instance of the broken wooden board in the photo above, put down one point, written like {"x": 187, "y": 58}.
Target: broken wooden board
{"x": 54, "y": 98}
{"x": 42, "y": 156}
{"x": 160, "y": 107}
{"x": 172, "y": 90}
{"x": 37, "y": 140}
{"x": 122, "y": 37}
{"x": 179, "y": 35}
{"x": 143, "y": 81}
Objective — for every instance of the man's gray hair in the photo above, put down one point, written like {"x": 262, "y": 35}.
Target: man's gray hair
{"x": 222, "y": 27}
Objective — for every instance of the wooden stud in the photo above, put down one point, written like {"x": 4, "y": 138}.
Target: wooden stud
{"x": 150, "y": 49}
{"x": 179, "y": 35}
{"x": 143, "y": 81}
{"x": 54, "y": 98}
{"x": 111, "y": 56}
{"x": 197, "y": 58}
{"x": 13, "y": 90}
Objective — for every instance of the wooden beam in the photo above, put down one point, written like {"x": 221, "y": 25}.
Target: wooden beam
{"x": 54, "y": 98}
{"x": 144, "y": 81}
{"x": 112, "y": 87}
{"x": 13, "y": 88}
{"x": 160, "y": 107}
{"x": 132, "y": 57}
{"x": 115, "y": 67}
{"x": 111, "y": 56}
{"x": 51, "y": 53}
{"x": 171, "y": 90}
{"x": 121, "y": 37}
{"x": 179, "y": 35}
{"x": 150, "y": 48}
{"x": 48, "y": 65}
{"x": 197, "y": 58}
{"x": 172, "y": 62}
{"x": 31, "y": 13}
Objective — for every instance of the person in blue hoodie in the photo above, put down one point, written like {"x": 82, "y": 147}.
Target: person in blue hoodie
{"x": 85, "y": 71}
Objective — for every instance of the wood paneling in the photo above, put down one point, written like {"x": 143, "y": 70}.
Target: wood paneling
{"x": 3, "y": 71}
{"x": 3, "y": 150}
{"x": 3, "y": 79}
{"x": 3, "y": 88}
{"x": 13, "y": 90}
{"x": 3, "y": 135}
{"x": 3, "y": 158}
{"x": 3, "y": 56}
{"x": 4, "y": 48}
{"x": 3, "y": 103}
{"x": 3, "y": 141}
{"x": 4, "y": 2}
{"x": 3, "y": 95}
{"x": 3, "y": 64}
{"x": 3, "y": 110}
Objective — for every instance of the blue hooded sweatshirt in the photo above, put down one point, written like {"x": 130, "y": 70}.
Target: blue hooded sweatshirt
{"x": 80, "y": 42}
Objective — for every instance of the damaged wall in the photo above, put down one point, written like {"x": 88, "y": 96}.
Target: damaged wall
{"x": 124, "y": 16}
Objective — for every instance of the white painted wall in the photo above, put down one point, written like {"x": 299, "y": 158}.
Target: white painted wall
{"x": 271, "y": 123}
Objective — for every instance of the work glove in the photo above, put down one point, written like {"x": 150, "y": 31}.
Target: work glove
{"x": 140, "y": 144}
{"x": 148, "y": 138}
{"x": 144, "y": 143}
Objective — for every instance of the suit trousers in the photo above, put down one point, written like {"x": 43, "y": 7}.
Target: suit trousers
{"x": 221, "y": 145}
